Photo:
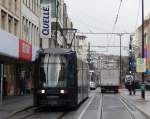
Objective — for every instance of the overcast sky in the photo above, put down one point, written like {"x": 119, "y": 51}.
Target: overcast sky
{"x": 100, "y": 15}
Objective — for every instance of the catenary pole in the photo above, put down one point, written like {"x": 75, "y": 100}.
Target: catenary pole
{"x": 143, "y": 91}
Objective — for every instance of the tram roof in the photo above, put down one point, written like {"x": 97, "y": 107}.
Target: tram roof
{"x": 57, "y": 51}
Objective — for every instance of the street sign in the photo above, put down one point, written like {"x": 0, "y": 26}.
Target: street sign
{"x": 140, "y": 64}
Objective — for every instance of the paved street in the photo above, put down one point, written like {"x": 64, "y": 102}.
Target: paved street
{"x": 97, "y": 106}
{"x": 15, "y": 104}
{"x": 136, "y": 101}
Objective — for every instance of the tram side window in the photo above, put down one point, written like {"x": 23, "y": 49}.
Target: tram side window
{"x": 71, "y": 74}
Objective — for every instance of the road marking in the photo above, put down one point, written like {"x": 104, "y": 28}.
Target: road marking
{"x": 82, "y": 113}
{"x": 100, "y": 107}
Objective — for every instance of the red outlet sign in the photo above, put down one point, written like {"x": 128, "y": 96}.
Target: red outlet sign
{"x": 25, "y": 50}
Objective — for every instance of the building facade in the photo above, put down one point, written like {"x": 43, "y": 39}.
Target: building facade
{"x": 29, "y": 38}
{"x": 19, "y": 34}
{"x": 61, "y": 24}
{"x": 9, "y": 33}
{"x": 138, "y": 43}
{"x": 20, "y": 39}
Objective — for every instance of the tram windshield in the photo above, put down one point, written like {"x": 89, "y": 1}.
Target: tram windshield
{"x": 53, "y": 71}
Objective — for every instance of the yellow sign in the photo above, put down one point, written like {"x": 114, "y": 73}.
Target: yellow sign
{"x": 140, "y": 64}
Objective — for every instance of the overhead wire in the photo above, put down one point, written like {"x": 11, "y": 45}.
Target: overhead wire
{"x": 138, "y": 14}
{"x": 90, "y": 26}
{"x": 118, "y": 12}
{"x": 115, "y": 23}
{"x": 84, "y": 22}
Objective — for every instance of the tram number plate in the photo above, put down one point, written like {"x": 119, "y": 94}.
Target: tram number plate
{"x": 52, "y": 102}
{"x": 52, "y": 97}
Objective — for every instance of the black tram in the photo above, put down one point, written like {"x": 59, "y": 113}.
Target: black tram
{"x": 60, "y": 78}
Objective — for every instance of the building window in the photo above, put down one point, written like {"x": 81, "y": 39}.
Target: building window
{"x": 10, "y": 24}
{"x": 3, "y": 20}
{"x": 32, "y": 34}
{"x": 24, "y": 28}
{"x": 3, "y": 2}
{"x": 35, "y": 36}
{"x": 28, "y": 3}
{"x": 16, "y": 27}
{"x": 38, "y": 42}
{"x": 53, "y": 10}
{"x": 33, "y": 5}
{"x": 29, "y": 34}
{"x": 16, "y": 5}
{"x": 27, "y": 31}
{"x": 10, "y": 5}
{"x": 25, "y": 2}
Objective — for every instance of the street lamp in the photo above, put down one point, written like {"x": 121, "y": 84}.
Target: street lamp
{"x": 70, "y": 35}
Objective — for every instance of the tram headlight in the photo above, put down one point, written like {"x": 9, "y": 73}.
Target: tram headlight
{"x": 62, "y": 91}
{"x": 43, "y": 91}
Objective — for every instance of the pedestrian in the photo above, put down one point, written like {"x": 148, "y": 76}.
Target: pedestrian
{"x": 22, "y": 86}
{"x": 133, "y": 87}
{"x": 130, "y": 87}
{"x": 129, "y": 80}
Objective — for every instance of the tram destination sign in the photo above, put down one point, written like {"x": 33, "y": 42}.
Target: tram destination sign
{"x": 45, "y": 28}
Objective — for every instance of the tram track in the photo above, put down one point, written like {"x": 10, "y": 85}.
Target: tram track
{"x": 105, "y": 106}
{"x": 122, "y": 106}
{"x": 62, "y": 115}
{"x": 128, "y": 109}
{"x": 35, "y": 113}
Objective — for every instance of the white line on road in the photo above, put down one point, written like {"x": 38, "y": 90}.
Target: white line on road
{"x": 100, "y": 107}
{"x": 84, "y": 110}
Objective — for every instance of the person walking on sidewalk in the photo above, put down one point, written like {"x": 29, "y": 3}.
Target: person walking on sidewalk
{"x": 22, "y": 86}
{"x": 129, "y": 82}
{"x": 133, "y": 87}
{"x": 130, "y": 87}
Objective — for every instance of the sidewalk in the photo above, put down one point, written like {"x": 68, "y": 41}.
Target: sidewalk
{"x": 12, "y": 105}
{"x": 142, "y": 105}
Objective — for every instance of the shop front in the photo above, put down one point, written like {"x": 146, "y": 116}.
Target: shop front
{"x": 16, "y": 57}
{"x": 8, "y": 59}
{"x": 24, "y": 68}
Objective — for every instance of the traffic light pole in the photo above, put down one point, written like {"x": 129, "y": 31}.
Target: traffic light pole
{"x": 143, "y": 91}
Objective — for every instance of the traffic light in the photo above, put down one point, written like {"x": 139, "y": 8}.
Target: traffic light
{"x": 130, "y": 63}
{"x": 130, "y": 48}
{"x": 130, "y": 44}
{"x": 130, "y": 54}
